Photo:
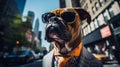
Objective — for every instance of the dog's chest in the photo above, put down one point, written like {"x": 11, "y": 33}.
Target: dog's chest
{"x": 65, "y": 62}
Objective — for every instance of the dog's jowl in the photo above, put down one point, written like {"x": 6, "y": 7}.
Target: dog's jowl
{"x": 64, "y": 32}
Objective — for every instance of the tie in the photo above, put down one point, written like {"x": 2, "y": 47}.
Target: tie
{"x": 66, "y": 62}
{"x": 70, "y": 61}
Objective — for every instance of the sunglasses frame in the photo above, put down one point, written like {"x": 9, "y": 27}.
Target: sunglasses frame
{"x": 45, "y": 16}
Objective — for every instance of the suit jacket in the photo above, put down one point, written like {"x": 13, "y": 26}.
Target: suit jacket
{"x": 86, "y": 60}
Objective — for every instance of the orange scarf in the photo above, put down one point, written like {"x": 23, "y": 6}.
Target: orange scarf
{"x": 62, "y": 60}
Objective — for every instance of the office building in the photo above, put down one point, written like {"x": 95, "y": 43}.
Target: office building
{"x": 36, "y": 27}
{"x": 102, "y": 33}
{"x": 21, "y": 5}
{"x": 69, "y": 3}
{"x": 31, "y": 16}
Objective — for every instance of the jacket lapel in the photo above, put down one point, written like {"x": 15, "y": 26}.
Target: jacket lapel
{"x": 47, "y": 60}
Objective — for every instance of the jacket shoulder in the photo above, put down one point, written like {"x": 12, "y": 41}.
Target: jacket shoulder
{"x": 88, "y": 60}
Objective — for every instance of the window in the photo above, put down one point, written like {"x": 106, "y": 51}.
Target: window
{"x": 96, "y": 23}
{"x": 89, "y": 29}
{"x": 105, "y": 16}
{"x": 93, "y": 10}
{"x": 90, "y": 1}
{"x": 98, "y": 20}
{"x": 82, "y": 2}
{"x": 101, "y": 3}
{"x": 86, "y": 7}
{"x": 84, "y": 31}
{"x": 92, "y": 26}
{"x": 97, "y": 6}
{"x": 75, "y": 3}
{"x": 111, "y": 12}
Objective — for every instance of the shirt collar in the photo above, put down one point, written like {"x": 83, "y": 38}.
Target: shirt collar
{"x": 75, "y": 52}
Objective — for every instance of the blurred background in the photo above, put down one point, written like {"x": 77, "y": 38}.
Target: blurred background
{"x": 22, "y": 30}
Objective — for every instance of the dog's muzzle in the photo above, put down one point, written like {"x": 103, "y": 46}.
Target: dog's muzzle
{"x": 58, "y": 29}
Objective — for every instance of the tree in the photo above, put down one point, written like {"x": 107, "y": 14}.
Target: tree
{"x": 16, "y": 31}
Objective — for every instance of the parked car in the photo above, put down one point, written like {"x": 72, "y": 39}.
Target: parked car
{"x": 20, "y": 57}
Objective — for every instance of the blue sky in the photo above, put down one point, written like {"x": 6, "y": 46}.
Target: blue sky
{"x": 39, "y": 7}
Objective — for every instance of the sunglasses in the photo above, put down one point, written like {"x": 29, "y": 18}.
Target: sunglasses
{"x": 68, "y": 16}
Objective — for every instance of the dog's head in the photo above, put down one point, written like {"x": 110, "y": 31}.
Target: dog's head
{"x": 63, "y": 28}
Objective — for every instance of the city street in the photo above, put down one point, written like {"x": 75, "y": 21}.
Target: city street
{"x": 59, "y": 33}
{"x": 38, "y": 63}
{"x": 34, "y": 64}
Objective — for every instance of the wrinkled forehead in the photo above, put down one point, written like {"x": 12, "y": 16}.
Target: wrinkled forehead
{"x": 60, "y": 11}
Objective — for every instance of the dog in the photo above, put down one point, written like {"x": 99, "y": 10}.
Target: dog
{"x": 64, "y": 32}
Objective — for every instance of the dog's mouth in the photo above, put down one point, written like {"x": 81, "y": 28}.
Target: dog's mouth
{"x": 60, "y": 41}
{"x": 56, "y": 38}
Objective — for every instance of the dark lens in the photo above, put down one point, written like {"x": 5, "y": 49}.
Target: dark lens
{"x": 47, "y": 16}
{"x": 68, "y": 16}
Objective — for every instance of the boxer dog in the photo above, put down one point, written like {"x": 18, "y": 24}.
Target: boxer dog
{"x": 63, "y": 31}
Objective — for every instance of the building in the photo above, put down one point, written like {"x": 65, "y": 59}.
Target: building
{"x": 103, "y": 32}
{"x": 8, "y": 7}
{"x": 37, "y": 34}
{"x": 31, "y": 16}
{"x": 36, "y": 27}
{"x": 39, "y": 37}
{"x": 69, "y": 3}
{"x": 21, "y": 5}
{"x": 62, "y": 3}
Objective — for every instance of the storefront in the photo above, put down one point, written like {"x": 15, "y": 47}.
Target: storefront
{"x": 100, "y": 41}
{"x": 105, "y": 39}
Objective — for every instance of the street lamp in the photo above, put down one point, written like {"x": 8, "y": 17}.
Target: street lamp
{"x": 17, "y": 42}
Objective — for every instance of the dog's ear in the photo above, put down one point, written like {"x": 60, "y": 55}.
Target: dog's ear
{"x": 83, "y": 14}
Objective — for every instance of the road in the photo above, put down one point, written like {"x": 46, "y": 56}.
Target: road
{"x": 38, "y": 64}
{"x": 34, "y": 64}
